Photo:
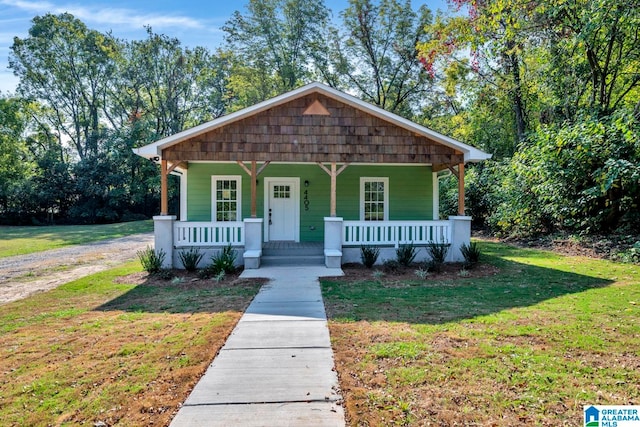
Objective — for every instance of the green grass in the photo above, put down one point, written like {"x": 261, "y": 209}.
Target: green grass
{"x": 108, "y": 349}
{"x": 528, "y": 346}
{"x": 26, "y": 240}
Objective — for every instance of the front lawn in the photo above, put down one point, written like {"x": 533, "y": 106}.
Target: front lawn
{"x": 529, "y": 345}
{"x": 26, "y": 240}
{"x": 115, "y": 348}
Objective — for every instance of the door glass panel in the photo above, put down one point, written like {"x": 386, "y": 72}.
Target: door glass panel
{"x": 281, "y": 192}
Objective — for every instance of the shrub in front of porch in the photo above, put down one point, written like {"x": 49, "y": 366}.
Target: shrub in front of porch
{"x": 369, "y": 255}
{"x": 438, "y": 253}
{"x": 471, "y": 254}
{"x": 151, "y": 260}
{"x": 190, "y": 259}
{"x": 405, "y": 254}
{"x": 222, "y": 263}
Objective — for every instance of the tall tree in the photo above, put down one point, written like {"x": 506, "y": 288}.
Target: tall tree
{"x": 597, "y": 44}
{"x": 273, "y": 44}
{"x": 65, "y": 65}
{"x": 375, "y": 53}
{"x": 498, "y": 34}
{"x": 167, "y": 85}
{"x": 14, "y": 155}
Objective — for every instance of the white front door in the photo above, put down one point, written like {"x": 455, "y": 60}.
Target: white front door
{"x": 282, "y": 209}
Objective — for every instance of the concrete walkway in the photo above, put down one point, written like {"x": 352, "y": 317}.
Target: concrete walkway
{"x": 276, "y": 368}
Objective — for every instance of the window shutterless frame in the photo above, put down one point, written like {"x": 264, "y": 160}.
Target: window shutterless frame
{"x": 226, "y": 198}
{"x": 374, "y": 198}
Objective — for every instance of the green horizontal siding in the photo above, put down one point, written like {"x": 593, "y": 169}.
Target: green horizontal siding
{"x": 410, "y": 192}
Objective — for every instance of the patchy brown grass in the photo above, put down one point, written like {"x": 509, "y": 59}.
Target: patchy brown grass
{"x": 528, "y": 344}
{"x": 119, "y": 347}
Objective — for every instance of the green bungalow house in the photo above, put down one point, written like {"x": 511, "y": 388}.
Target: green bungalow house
{"x": 312, "y": 167}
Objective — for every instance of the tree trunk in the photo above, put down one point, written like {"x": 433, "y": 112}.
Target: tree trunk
{"x": 518, "y": 102}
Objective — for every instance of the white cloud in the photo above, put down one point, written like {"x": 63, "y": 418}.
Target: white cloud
{"x": 108, "y": 16}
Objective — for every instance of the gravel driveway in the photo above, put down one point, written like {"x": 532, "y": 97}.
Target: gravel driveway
{"x": 23, "y": 275}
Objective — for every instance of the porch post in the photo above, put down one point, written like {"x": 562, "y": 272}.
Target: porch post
{"x": 333, "y": 173}
{"x": 333, "y": 241}
{"x": 164, "y": 198}
{"x": 332, "y": 210}
{"x": 163, "y": 237}
{"x": 461, "y": 189}
{"x": 436, "y": 196}
{"x": 253, "y": 173}
{"x": 460, "y": 234}
{"x": 252, "y": 242}
{"x": 254, "y": 189}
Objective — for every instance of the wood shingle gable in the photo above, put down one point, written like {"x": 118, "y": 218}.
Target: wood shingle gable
{"x": 284, "y": 133}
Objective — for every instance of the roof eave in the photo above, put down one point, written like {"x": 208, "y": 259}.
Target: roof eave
{"x": 471, "y": 154}
{"x": 224, "y": 120}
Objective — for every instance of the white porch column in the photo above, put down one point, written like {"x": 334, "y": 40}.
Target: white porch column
{"x": 333, "y": 241}
{"x": 183, "y": 196}
{"x": 436, "y": 195}
{"x": 252, "y": 242}
{"x": 460, "y": 234}
{"x": 163, "y": 237}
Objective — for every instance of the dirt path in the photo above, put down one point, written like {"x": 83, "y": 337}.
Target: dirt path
{"x": 23, "y": 275}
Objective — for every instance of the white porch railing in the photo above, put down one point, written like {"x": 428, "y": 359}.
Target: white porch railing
{"x": 208, "y": 233}
{"x": 356, "y": 233}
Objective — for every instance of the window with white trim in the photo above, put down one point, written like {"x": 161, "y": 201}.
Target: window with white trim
{"x": 226, "y": 198}
{"x": 374, "y": 199}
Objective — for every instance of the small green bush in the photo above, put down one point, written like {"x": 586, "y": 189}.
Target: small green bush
{"x": 369, "y": 255}
{"x": 438, "y": 253}
{"x": 220, "y": 276}
{"x": 464, "y": 273}
{"x": 629, "y": 255}
{"x": 422, "y": 273}
{"x": 177, "y": 280}
{"x": 225, "y": 260}
{"x": 471, "y": 254}
{"x": 405, "y": 254}
{"x": 377, "y": 275}
{"x": 190, "y": 259}
{"x": 221, "y": 262}
{"x": 151, "y": 259}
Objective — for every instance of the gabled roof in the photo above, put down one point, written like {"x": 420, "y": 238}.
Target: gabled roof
{"x": 471, "y": 154}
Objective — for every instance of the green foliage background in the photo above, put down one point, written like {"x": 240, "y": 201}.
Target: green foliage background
{"x": 552, "y": 90}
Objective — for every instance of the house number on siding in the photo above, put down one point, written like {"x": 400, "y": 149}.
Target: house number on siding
{"x": 306, "y": 200}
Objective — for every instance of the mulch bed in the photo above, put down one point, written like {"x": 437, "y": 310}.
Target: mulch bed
{"x": 357, "y": 272}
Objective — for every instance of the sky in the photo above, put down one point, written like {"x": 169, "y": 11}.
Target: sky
{"x": 193, "y": 22}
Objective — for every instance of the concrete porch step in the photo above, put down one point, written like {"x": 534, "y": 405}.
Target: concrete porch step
{"x": 282, "y": 260}
{"x": 293, "y": 252}
{"x": 276, "y": 248}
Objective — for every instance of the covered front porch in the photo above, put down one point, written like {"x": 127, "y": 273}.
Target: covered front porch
{"x": 342, "y": 243}
{"x": 312, "y": 165}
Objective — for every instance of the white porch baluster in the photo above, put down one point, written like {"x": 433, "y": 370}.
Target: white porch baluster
{"x": 356, "y": 233}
